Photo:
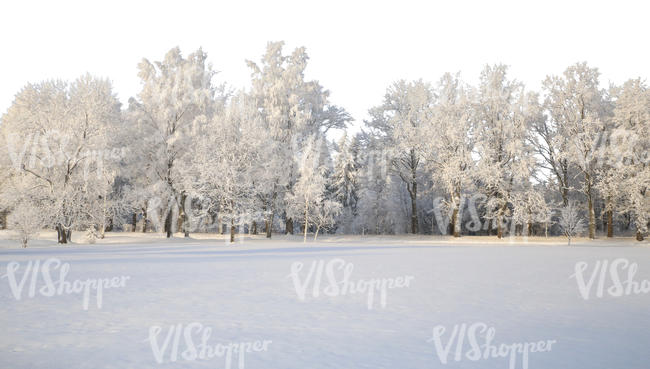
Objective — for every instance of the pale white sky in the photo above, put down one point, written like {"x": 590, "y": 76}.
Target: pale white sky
{"x": 356, "y": 49}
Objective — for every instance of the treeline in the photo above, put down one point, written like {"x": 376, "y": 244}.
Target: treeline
{"x": 188, "y": 155}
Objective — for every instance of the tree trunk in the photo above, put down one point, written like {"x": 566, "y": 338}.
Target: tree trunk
{"x": 316, "y": 234}
{"x": 144, "y": 219}
{"x": 232, "y": 230}
{"x": 304, "y": 239}
{"x": 185, "y": 219}
{"x": 179, "y": 220}
{"x": 412, "y": 187}
{"x": 306, "y": 221}
{"x": 546, "y": 229}
{"x": 268, "y": 224}
{"x": 610, "y": 223}
{"x": 565, "y": 183}
{"x": 168, "y": 223}
{"x": 254, "y": 228}
{"x": 455, "y": 227}
{"x": 639, "y": 236}
{"x": 288, "y": 226}
{"x": 414, "y": 206}
{"x": 592, "y": 215}
{"x": 63, "y": 235}
{"x": 4, "y": 219}
{"x": 134, "y": 221}
{"x": 499, "y": 227}
{"x": 590, "y": 205}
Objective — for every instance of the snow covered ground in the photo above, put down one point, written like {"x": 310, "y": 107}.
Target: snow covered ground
{"x": 244, "y": 295}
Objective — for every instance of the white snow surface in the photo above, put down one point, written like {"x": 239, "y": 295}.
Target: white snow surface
{"x": 243, "y": 292}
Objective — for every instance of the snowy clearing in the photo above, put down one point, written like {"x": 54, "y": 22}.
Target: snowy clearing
{"x": 244, "y": 296}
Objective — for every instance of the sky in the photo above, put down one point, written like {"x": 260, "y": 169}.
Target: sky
{"x": 356, "y": 49}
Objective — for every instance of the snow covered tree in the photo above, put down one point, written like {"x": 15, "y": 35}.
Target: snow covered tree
{"x": 64, "y": 126}
{"x": 529, "y": 207}
{"x": 579, "y": 106}
{"x": 176, "y": 101}
{"x": 345, "y": 181}
{"x": 26, "y": 220}
{"x": 503, "y": 115}
{"x": 449, "y": 143}
{"x": 378, "y": 206}
{"x": 325, "y": 215}
{"x": 629, "y": 143}
{"x": 570, "y": 221}
{"x": 399, "y": 121}
{"x": 293, "y": 110}
{"x": 224, "y": 169}
{"x": 309, "y": 192}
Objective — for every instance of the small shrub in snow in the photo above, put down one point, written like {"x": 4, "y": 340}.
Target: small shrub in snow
{"x": 570, "y": 221}
{"x": 26, "y": 221}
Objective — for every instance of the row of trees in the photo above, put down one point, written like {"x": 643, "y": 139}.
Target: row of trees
{"x": 525, "y": 155}
{"x": 189, "y": 155}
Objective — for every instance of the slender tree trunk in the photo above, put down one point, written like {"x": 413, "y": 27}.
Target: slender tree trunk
{"x": 414, "y": 206}
{"x": 254, "y": 228}
{"x": 232, "y": 230}
{"x": 592, "y": 214}
{"x": 316, "y": 234}
{"x": 144, "y": 219}
{"x": 412, "y": 187}
{"x": 4, "y": 219}
{"x": 186, "y": 218}
{"x": 306, "y": 221}
{"x": 168, "y": 223}
{"x": 565, "y": 183}
{"x": 546, "y": 229}
{"x": 639, "y": 236}
{"x": 610, "y": 223}
{"x": 134, "y": 221}
{"x": 499, "y": 227}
